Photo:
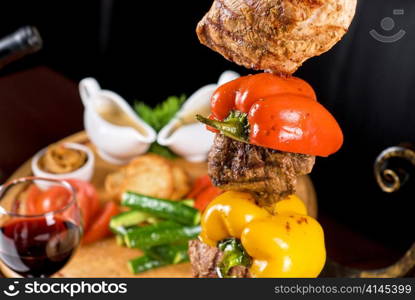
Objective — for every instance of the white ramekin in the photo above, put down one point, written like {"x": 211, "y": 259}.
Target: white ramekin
{"x": 83, "y": 173}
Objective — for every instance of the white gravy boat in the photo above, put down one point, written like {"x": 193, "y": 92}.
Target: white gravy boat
{"x": 117, "y": 144}
{"x": 183, "y": 134}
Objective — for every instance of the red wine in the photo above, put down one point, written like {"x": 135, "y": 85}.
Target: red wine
{"x": 38, "y": 247}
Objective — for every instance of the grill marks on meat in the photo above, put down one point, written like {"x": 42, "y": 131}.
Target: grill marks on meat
{"x": 205, "y": 259}
{"x": 270, "y": 174}
{"x": 275, "y": 35}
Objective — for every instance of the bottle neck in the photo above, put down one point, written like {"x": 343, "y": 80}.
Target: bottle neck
{"x": 24, "y": 41}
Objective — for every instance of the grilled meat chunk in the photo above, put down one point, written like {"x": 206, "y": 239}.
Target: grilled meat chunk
{"x": 274, "y": 35}
{"x": 205, "y": 259}
{"x": 271, "y": 174}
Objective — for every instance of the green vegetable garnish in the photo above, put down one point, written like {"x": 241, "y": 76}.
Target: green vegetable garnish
{"x": 162, "y": 233}
{"x": 145, "y": 263}
{"x": 159, "y": 256}
{"x": 172, "y": 254}
{"x": 127, "y": 219}
{"x": 233, "y": 255}
{"x": 162, "y": 208}
{"x": 158, "y": 117}
{"x": 158, "y": 149}
{"x": 234, "y": 126}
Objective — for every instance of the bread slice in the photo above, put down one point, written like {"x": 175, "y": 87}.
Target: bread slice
{"x": 150, "y": 175}
{"x": 181, "y": 183}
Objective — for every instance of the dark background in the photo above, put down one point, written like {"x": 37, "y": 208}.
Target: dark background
{"x": 149, "y": 50}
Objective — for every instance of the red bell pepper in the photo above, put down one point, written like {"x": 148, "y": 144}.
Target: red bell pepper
{"x": 100, "y": 226}
{"x": 275, "y": 112}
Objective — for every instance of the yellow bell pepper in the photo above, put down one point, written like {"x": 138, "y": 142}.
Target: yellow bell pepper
{"x": 291, "y": 204}
{"x": 227, "y": 215}
{"x": 287, "y": 244}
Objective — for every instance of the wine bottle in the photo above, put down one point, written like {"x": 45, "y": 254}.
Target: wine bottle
{"x": 24, "y": 41}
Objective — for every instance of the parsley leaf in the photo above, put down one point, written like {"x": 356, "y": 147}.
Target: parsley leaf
{"x": 158, "y": 117}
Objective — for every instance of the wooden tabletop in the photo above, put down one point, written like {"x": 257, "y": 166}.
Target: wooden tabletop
{"x": 39, "y": 106}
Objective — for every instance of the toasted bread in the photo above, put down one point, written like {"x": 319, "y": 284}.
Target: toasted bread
{"x": 150, "y": 175}
{"x": 181, "y": 183}
{"x": 114, "y": 182}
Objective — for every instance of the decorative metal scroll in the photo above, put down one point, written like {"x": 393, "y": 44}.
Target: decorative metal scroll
{"x": 391, "y": 180}
{"x": 390, "y": 176}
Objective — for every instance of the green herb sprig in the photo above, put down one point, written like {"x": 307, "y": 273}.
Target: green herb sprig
{"x": 158, "y": 117}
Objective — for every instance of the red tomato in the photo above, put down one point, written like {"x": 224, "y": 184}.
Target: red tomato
{"x": 200, "y": 184}
{"x": 54, "y": 198}
{"x": 87, "y": 199}
{"x": 206, "y": 196}
{"x": 294, "y": 124}
{"x": 203, "y": 192}
{"x": 38, "y": 202}
{"x": 100, "y": 227}
{"x": 240, "y": 94}
{"x": 33, "y": 192}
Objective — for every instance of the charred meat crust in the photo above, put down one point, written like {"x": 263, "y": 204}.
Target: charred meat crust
{"x": 274, "y": 35}
{"x": 271, "y": 174}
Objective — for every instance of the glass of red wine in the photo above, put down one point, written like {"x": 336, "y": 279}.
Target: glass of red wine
{"x": 40, "y": 225}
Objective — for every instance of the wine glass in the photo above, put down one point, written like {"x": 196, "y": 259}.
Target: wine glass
{"x": 40, "y": 225}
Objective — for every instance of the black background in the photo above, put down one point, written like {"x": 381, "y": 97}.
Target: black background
{"x": 148, "y": 50}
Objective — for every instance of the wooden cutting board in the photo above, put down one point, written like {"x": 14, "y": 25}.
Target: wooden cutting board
{"x": 106, "y": 258}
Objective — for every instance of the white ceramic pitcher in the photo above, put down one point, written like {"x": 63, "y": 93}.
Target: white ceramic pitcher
{"x": 193, "y": 141}
{"x": 115, "y": 144}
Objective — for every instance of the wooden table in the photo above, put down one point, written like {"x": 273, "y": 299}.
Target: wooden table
{"x": 40, "y": 106}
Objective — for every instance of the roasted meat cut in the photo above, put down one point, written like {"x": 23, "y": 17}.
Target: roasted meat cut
{"x": 275, "y": 35}
{"x": 270, "y": 174}
{"x": 205, "y": 259}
